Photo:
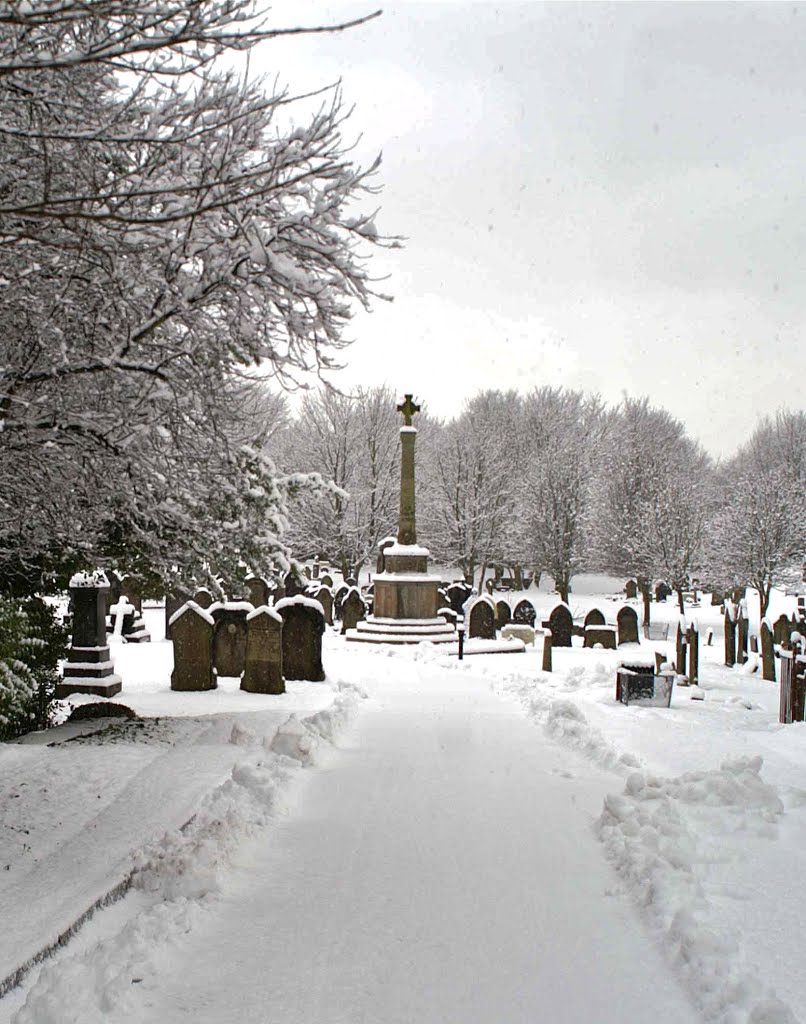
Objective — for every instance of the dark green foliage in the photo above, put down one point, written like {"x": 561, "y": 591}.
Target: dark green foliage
{"x": 31, "y": 643}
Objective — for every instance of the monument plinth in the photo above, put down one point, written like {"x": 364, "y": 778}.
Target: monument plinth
{"x": 406, "y": 597}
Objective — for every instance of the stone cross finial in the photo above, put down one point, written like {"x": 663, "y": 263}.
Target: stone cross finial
{"x": 408, "y": 408}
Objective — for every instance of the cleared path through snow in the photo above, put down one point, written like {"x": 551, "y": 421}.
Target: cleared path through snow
{"x": 439, "y": 869}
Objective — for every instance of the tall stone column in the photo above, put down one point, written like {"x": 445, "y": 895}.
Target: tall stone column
{"x": 407, "y": 523}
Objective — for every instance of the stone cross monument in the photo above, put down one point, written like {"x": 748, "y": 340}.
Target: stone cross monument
{"x": 406, "y": 596}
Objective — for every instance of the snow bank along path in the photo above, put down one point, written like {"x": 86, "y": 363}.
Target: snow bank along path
{"x": 439, "y": 869}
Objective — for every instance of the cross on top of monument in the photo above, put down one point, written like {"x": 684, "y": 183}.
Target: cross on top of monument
{"x": 408, "y": 408}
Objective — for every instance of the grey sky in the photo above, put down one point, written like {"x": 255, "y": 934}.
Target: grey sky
{"x": 607, "y": 196}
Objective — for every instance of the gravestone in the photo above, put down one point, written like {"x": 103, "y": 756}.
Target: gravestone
{"x": 351, "y": 581}
{"x": 306, "y": 572}
{"x": 173, "y": 602}
{"x": 742, "y": 633}
{"x": 753, "y": 643}
{"x": 631, "y": 590}
{"x": 326, "y": 581}
{"x": 203, "y": 598}
{"x": 561, "y": 624}
{"x": 546, "y": 666}
{"x": 303, "y": 626}
{"x": 342, "y": 590}
{"x": 599, "y": 634}
{"x": 680, "y": 649}
{"x": 627, "y": 622}
{"x": 316, "y": 571}
{"x": 258, "y": 590}
{"x": 192, "y": 634}
{"x": 693, "y": 644}
{"x": 767, "y": 652}
{"x": 88, "y": 667}
{"x": 503, "y": 615}
{"x": 662, "y": 591}
{"x": 594, "y": 618}
{"x": 449, "y": 615}
{"x": 730, "y": 635}
{"x": 294, "y": 584}
{"x": 387, "y": 542}
{"x": 524, "y": 613}
{"x": 458, "y": 593}
{"x": 781, "y": 630}
{"x": 324, "y": 595}
{"x": 229, "y": 637}
{"x": 481, "y": 619}
{"x": 263, "y": 663}
{"x": 353, "y": 609}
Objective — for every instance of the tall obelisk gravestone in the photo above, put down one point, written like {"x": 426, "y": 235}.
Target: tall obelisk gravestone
{"x": 406, "y": 596}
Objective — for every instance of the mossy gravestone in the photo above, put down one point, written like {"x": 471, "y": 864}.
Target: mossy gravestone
{"x": 481, "y": 619}
{"x": 263, "y": 669}
{"x": 627, "y": 622}
{"x": 561, "y": 624}
{"x": 767, "y": 652}
{"x": 631, "y": 590}
{"x": 303, "y": 626}
{"x": 192, "y": 635}
{"x": 524, "y": 614}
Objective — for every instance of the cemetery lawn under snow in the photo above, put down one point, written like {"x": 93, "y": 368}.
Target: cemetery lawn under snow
{"x": 426, "y": 840}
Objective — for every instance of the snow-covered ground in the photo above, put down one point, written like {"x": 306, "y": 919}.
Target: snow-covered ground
{"x": 500, "y": 805}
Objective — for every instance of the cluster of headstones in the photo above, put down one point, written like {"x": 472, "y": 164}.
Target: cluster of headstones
{"x": 263, "y": 646}
{"x": 738, "y": 642}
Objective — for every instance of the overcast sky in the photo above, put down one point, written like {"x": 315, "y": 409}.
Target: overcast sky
{"x": 607, "y": 197}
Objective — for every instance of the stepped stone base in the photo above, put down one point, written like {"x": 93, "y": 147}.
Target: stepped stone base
{"x": 376, "y": 630}
{"x": 107, "y": 686}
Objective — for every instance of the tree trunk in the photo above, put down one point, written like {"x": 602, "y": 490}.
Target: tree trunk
{"x": 680, "y": 602}
{"x": 518, "y": 572}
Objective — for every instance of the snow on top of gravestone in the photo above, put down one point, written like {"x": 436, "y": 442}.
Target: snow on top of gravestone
{"x": 96, "y": 578}
{"x": 408, "y": 430}
{"x": 264, "y": 610}
{"x": 300, "y": 599}
{"x": 191, "y": 606}
{"x": 407, "y": 549}
{"x": 232, "y": 606}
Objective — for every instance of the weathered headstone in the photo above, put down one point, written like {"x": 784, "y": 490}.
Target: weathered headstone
{"x": 546, "y": 666}
{"x": 730, "y": 634}
{"x": 258, "y": 590}
{"x": 294, "y": 584}
{"x": 324, "y": 595}
{"x": 781, "y": 630}
{"x": 480, "y": 617}
{"x": 327, "y": 580}
{"x": 627, "y": 622}
{"x": 88, "y": 667}
{"x": 387, "y": 542}
{"x": 631, "y": 590}
{"x": 561, "y": 624}
{"x": 503, "y": 614}
{"x": 680, "y": 649}
{"x": 229, "y": 636}
{"x": 132, "y": 588}
{"x": 458, "y": 593}
{"x": 353, "y": 609}
{"x": 662, "y": 591}
{"x": 598, "y": 634}
{"x": 693, "y": 644}
{"x": 263, "y": 668}
{"x": 449, "y": 615}
{"x": 351, "y": 581}
{"x": 442, "y": 599}
{"x": 303, "y": 626}
{"x": 594, "y": 618}
{"x": 173, "y": 602}
{"x": 192, "y": 634}
{"x": 767, "y": 651}
{"x": 524, "y": 613}
{"x": 742, "y": 633}
{"x": 203, "y": 598}
{"x": 341, "y": 592}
